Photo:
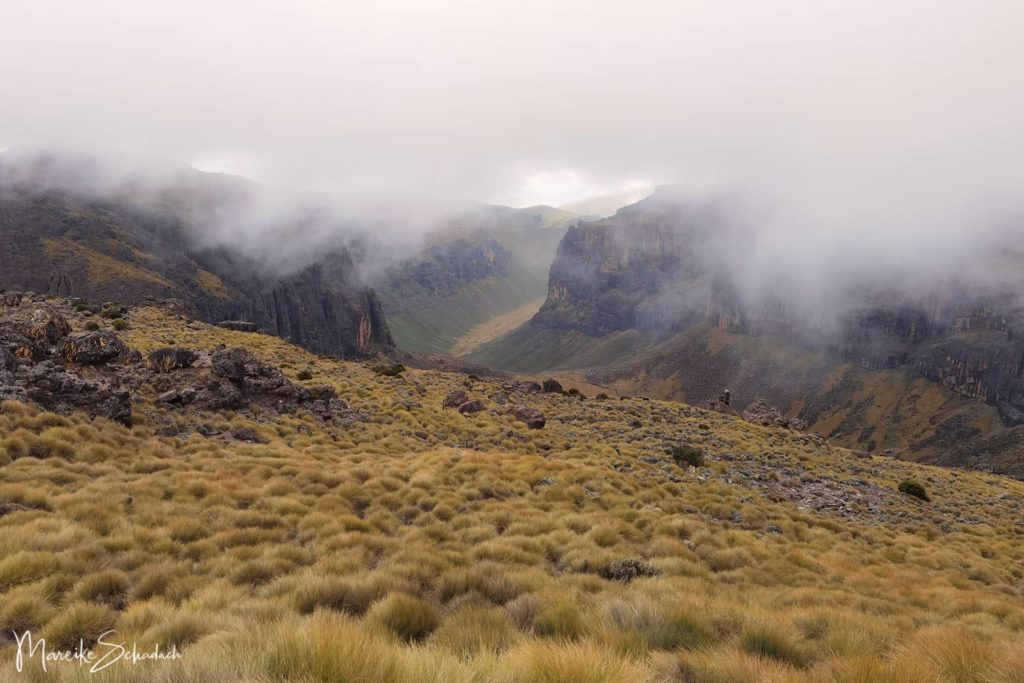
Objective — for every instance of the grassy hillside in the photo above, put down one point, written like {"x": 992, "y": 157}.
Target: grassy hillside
{"x": 874, "y": 411}
{"x": 425, "y": 545}
{"x": 530, "y": 349}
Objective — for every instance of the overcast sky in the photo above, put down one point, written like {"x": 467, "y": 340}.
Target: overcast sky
{"x": 889, "y": 113}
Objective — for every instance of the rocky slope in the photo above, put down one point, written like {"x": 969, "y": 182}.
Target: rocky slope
{"x": 129, "y": 246}
{"x": 652, "y": 299}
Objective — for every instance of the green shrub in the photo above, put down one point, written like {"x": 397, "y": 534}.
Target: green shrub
{"x": 119, "y": 324}
{"x": 389, "y": 370}
{"x": 686, "y": 455}
{"x": 92, "y": 326}
{"x": 305, "y": 375}
{"x": 913, "y": 488}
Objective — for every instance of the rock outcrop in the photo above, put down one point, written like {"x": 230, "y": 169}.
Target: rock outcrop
{"x": 34, "y": 348}
{"x": 533, "y": 418}
{"x": 170, "y": 358}
{"x": 93, "y": 348}
{"x": 54, "y": 389}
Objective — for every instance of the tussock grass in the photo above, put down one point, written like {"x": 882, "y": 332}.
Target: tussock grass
{"x": 364, "y": 552}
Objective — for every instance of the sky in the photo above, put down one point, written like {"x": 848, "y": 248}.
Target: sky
{"x": 876, "y": 119}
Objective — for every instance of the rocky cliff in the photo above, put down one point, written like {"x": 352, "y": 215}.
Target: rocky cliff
{"x": 101, "y": 248}
{"x": 657, "y": 299}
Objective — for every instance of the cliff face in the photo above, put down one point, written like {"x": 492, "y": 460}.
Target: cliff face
{"x": 63, "y": 243}
{"x": 640, "y": 269}
{"x": 656, "y": 300}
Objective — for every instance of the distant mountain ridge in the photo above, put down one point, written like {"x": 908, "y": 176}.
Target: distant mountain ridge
{"x": 652, "y": 300}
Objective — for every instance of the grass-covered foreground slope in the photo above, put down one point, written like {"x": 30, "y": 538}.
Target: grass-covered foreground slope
{"x": 425, "y": 545}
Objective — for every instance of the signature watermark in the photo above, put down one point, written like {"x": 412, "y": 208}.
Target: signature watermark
{"x": 105, "y": 653}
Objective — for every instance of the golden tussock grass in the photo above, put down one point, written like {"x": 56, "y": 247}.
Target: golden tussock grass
{"x": 370, "y": 552}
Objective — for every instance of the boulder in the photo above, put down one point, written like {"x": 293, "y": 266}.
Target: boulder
{"x": 218, "y": 394}
{"x": 170, "y": 358}
{"x": 455, "y": 399}
{"x": 472, "y": 407}
{"x": 46, "y": 326}
{"x": 533, "y": 418}
{"x": 248, "y": 434}
{"x": 93, "y": 348}
{"x": 186, "y": 395}
{"x": 48, "y": 385}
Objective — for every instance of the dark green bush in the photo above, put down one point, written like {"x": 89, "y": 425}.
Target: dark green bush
{"x": 119, "y": 324}
{"x": 913, "y": 488}
{"x": 92, "y": 326}
{"x": 304, "y": 375}
{"x": 389, "y": 370}
{"x": 686, "y": 455}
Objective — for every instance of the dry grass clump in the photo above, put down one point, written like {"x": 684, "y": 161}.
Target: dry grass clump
{"x": 79, "y": 621}
{"x": 107, "y": 588}
{"x": 408, "y": 617}
{"x": 485, "y": 551}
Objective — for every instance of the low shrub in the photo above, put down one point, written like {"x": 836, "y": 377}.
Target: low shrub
{"x": 913, "y": 488}
{"x": 627, "y": 570}
{"x": 686, "y": 455}
{"x": 389, "y": 370}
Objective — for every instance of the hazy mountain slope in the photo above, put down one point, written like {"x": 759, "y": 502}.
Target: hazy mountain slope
{"x": 347, "y": 526}
{"x": 649, "y": 301}
{"x": 474, "y": 270}
{"x": 119, "y": 248}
